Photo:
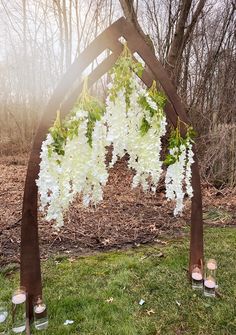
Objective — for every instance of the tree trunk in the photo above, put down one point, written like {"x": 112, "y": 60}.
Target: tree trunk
{"x": 131, "y": 15}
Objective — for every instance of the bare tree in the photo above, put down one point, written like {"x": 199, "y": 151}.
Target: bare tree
{"x": 194, "y": 40}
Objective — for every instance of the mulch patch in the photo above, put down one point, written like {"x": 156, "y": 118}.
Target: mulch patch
{"x": 125, "y": 217}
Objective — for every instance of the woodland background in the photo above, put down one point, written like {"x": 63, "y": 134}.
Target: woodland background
{"x": 193, "y": 39}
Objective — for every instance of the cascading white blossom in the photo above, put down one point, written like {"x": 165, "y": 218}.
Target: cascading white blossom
{"x": 124, "y": 123}
{"x": 97, "y": 175}
{"x": 82, "y": 170}
{"x": 188, "y": 173}
{"x": 76, "y": 158}
{"x": 144, "y": 149}
{"x": 49, "y": 184}
{"x": 174, "y": 180}
{"x": 116, "y": 120}
{"x": 133, "y": 123}
{"x": 179, "y": 175}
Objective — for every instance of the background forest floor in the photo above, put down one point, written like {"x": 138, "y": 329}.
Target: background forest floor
{"x": 125, "y": 218}
{"x": 101, "y": 293}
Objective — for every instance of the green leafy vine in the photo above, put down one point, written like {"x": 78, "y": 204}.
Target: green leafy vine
{"x": 69, "y": 127}
{"x": 122, "y": 75}
{"x": 159, "y": 99}
{"x": 177, "y": 141}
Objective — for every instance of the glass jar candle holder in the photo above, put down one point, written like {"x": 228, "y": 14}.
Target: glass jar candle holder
{"x": 3, "y": 317}
{"x": 40, "y": 314}
{"x": 210, "y": 278}
{"x": 19, "y": 310}
{"x": 197, "y": 278}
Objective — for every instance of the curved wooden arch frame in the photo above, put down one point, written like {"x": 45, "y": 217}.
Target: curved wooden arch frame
{"x": 30, "y": 272}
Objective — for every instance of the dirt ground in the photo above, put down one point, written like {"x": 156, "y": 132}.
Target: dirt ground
{"x": 125, "y": 217}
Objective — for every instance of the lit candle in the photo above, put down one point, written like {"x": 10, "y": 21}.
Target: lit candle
{"x": 3, "y": 316}
{"x": 212, "y": 265}
{"x": 39, "y": 309}
{"x": 210, "y": 283}
{"x": 19, "y": 298}
{"x": 197, "y": 276}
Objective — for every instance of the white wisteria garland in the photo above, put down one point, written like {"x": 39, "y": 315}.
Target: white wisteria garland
{"x": 179, "y": 174}
{"x": 125, "y": 132}
{"x": 73, "y": 156}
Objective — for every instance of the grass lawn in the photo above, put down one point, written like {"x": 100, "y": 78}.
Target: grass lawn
{"x": 101, "y": 293}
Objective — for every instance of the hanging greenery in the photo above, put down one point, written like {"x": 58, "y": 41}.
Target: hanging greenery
{"x": 73, "y": 159}
{"x": 136, "y": 121}
{"x": 133, "y": 121}
{"x": 179, "y": 160}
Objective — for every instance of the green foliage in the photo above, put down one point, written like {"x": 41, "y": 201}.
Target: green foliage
{"x": 122, "y": 73}
{"x": 95, "y": 114}
{"x": 81, "y": 290}
{"x": 145, "y": 126}
{"x": 95, "y": 108}
{"x": 59, "y": 135}
{"x": 170, "y": 159}
{"x": 216, "y": 215}
{"x": 176, "y": 141}
{"x": 69, "y": 128}
{"x": 159, "y": 99}
{"x": 158, "y": 96}
{"x": 72, "y": 128}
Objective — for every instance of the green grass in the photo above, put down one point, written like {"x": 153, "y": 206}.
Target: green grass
{"x": 216, "y": 215}
{"x": 79, "y": 291}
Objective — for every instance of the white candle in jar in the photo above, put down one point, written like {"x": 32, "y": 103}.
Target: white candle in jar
{"x": 3, "y": 316}
{"x": 209, "y": 283}
{"x": 197, "y": 276}
{"x": 211, "y": 264}
{"x": 19, "y": 298}
{"x": 39, "y": 309}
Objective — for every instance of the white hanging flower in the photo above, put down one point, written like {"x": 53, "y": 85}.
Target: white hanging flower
{"x": 144, "y": 149}
{"x": 97, "y": 174}
{"x": 188, "y": 174}
{"x": 124, "y": 124}
{"x": 179, "y": 175}
{"x": 116, "y": 120}
{"x": 133, "y": 123}
{"x": 48, "y": 182}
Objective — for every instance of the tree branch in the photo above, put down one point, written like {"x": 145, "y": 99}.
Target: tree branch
{"x": 131, "y": 16}
{"x": 178, "y": 36}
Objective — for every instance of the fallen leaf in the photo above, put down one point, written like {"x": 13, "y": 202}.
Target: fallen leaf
{"x": 110, "y": 300}
{"x": 161, "y": 242}
{"x": 71, "y": 259}
{"x": 141, "y": 302}
{"x": 68, "y": 322}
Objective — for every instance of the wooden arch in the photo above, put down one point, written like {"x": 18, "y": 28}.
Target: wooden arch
{"x": 64, "y": 98}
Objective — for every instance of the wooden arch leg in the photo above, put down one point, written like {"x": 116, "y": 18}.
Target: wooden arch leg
{"x": 30, "y": 272}
{"x": 174, "y": 109}
{"x": 196, "y": 233}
